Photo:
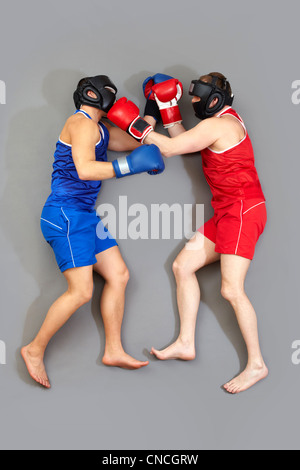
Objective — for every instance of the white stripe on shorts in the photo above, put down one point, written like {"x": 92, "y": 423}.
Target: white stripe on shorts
{"x": 69, "y": 237}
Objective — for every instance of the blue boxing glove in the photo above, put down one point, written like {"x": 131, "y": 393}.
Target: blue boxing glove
{"x": 146, "y": 158}
{"x": 151, "y": 108}
{"x": 150, "y": 81}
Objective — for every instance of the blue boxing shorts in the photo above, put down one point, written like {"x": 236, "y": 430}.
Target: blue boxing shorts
{"x": 72, "y": 234}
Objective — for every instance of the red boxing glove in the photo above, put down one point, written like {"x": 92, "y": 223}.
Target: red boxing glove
{"x": 167, "y": 94}
{"x": 126, "y": 115}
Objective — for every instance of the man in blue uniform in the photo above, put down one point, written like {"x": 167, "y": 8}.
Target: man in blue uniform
{"x": 69, "y": 221}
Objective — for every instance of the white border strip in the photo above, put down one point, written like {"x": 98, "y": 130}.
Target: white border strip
{"x": 240, "y": 120}
{"x": 254, "y": 206}
{"x": 51, "y": 223}
{"x": 69, "y": 237}
{"x": 241, "y": 225}
{"x": 222, "y": 112}
{"x": 100, "y": 128}
{"x": 64, "y": 143}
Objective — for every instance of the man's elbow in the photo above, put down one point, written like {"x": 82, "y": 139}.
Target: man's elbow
{"x": 167, "y": 153}
{"x": 83, "y": 174}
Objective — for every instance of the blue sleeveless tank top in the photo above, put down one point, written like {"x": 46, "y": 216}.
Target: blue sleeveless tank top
{"x": 67, "y": 189}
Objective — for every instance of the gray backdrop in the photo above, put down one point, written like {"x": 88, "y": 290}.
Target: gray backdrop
{"x": 45, "y": 48}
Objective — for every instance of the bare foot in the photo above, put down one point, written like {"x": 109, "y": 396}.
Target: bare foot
{"x": 246, "y": 379}
{"x": 177, "y": 350}
{"x": 123, "y": 360}
{"x": 35, "y": 366}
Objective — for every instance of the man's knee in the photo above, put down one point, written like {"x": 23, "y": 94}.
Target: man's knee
{"x": 119, "y": 277}
{"x": 181, "y": 270}
{"x": 231, "y": 292}
{"x": 124, "y": 275}
{"x": 83, "y": 294}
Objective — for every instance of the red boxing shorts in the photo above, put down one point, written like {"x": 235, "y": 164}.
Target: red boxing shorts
{"x": 235, "y": 229}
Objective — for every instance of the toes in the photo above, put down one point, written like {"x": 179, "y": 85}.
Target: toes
{"x": 46, "y": 383}
{"x": 231, "y": 387}
{"x": 157, "y": 354}
{"x": 125, "y": 362}
{"x": 41, "y": 381}
{"x": 143, "y": 364}
{"x": 228, "y": 386}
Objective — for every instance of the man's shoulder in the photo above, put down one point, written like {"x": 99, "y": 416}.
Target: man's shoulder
{"x": 79, "y": 128}
{"x": 78, "y": 122}
{"x": 80, "y": 119}
{"x": 208, "y": 124}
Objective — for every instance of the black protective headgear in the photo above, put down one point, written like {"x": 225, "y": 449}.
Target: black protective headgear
{"x": 103, "y": 88}
{"x": 208, "y": 92}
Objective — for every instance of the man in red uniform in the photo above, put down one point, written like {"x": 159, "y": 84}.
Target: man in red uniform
{"x": 238, "y": 201}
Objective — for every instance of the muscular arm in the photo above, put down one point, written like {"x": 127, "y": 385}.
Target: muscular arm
{"x": 84, "y": 136}
{"x": 200, "y": 137}
{"x": 176, "y": 130}
{"x": 120, "y": 141}
{"x": 173, "y": 131}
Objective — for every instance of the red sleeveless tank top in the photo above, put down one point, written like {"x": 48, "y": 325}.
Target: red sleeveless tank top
{"x": 231, "y": 174}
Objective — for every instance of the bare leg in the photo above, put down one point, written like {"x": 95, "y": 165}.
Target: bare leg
{"x": 199, "y": 252}
{"x": 234, "y": 269}
{"x": 111, "y": 267}
{"x": 80, "y": 289}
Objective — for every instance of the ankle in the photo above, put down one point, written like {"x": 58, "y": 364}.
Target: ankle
{"x": 113, "y": 348}
{"x": 186, "y": 341}
{"x": 256, "y": 363}
{"x": 36, "y": 350}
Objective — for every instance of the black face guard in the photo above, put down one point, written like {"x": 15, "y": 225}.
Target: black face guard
{"x": 208, "y": 92}
{"x": 104, "y": 90}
